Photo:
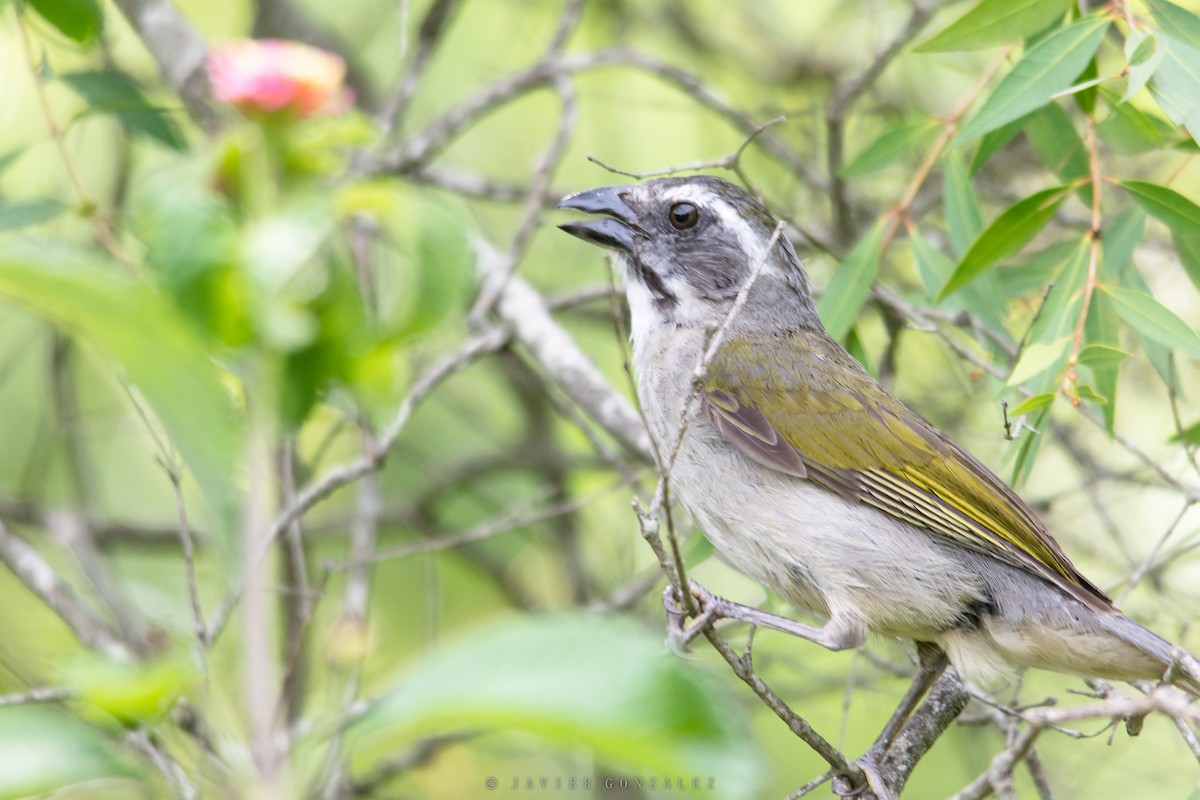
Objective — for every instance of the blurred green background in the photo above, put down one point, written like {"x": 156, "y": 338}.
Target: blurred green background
{"x": 151, "y": 290}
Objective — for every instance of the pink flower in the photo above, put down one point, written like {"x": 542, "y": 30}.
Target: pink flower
{"x": 274, "y": 76}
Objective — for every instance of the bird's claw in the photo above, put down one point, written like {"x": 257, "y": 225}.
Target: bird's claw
{"x": 706, "y": 608}
{"x": 874, "y": 787}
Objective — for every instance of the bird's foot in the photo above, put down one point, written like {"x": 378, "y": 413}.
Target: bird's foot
{"x": 874, "y": 787}
{"x": 870, "y": 763}
{"x": 707, "y": 609}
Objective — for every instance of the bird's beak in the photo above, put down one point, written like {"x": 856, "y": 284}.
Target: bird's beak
{"x": 620, "y": 228}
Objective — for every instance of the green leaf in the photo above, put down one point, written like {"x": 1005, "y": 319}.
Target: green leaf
{"x": 1101, "y": 355}
{"x": 1155, "y": 321}
{"x": 576, "y": 679}
{"x": 1102, "y": 329}
{"x": 188, "y": 232}
{"x": 1063, "y": 304}
{"x": 1033, "y": 273}
{"x": 7, "y": 159}
{"x": 994, "y": 22}
{"x": 1025, "y": 452}
{"x": 1187, "y": 247}
{"x": 1169, "y": 206}
{"x": 1011, "y": 231}
{"x": 935, "y": 267}
{"x": 1031, "y": 404}
{"x": 1037, "y": 358}
{"x": 78, "y": 20}
{"x": 1084, "y": 91}
{"x": 114, "y": 93}
{"x": 1160, "y": 355}
{"x": 993, "y": 141}
{"x": 1176, "y": 83}
{"x": 130, "y": 693}
{"x": 964, "y": 215}
{"x": 1176, "y": 21}
{"x": 1143, "y": 46}
{"x": 1144, "y": 57}
{"x": 1119, "y": 239}
{"x": 1189, "y": 435}
{"x": 44, "y": 750}
{"x": 1046, "y": 69}
{"x": 155, "y": 349}
{"x": 29, "y": 212}
{"x": 1057, "y": 143}
{"x": 884, "y": 151}
{"x": 1129, "y": 129}
{"x": 850, "y": 285}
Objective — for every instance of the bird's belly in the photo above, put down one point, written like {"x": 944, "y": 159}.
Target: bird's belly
{"x": 825, "y": 554}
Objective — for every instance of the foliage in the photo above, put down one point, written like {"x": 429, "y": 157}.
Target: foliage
{"x": 290, "y": 390}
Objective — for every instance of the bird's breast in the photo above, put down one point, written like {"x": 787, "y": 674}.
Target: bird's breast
{"x": 821, "y": 551}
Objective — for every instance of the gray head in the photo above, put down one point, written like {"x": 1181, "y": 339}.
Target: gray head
{"x": 689, "y": 245}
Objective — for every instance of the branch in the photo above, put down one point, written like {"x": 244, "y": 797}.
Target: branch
{"x": 27, "y": 564}
{"x": 524, "y": 311}
{"x": 180, "y": 51}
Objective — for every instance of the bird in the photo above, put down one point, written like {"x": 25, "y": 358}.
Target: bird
{"x": 810, "y": 477}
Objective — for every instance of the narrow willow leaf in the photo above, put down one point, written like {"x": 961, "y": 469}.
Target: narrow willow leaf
{"x": 1167, "y": 205}
{"x": 964, "y": 213}
{"x": 1129, "y": 129}
{"x": 1031, "y": 404}
{"x": 1155, "y": 321}
{"x": 1027, "y": 446}
{"x": 29, "y": 212}
{"x": 7, "y": 159}
{"x": 935, "y": 268}
{"x": 1033, "y": 273}
{"x": 994, "y": 141}
{"x": 851, "y": 284}
{"x": 115, "y": 94}
{"x": 1101, "y": 354}
{"x": 1189, "y": 435}
{"x": 78, "y": 20}
{"x": 575, "y": 679}
{"x": 1047, "y": 68}
{"x": 1011, "y": 231}
{"x": 1176, "y": 84}
{"x": 1176, "y": 21}
{"x": 889, "y": 147}
{"x": 1063, "y": 304}
{"x": 1119, "y": 239}
{"x": 1037, "y": 358}
{"x": 1187, "y": 247}
{"x": 1159, "y": 355}
{"x": 1102, "y": 329}
{"x": 1143, "y": 56}
{"x": 1053, "y": 136}
{"x": 994, "y": 22}
{"x": 1084, "y": 90}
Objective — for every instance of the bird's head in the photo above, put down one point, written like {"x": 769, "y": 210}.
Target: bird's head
{"x": 689, "y": 245}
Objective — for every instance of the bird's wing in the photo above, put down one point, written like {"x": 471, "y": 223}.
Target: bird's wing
{"x": 807, "y": 409}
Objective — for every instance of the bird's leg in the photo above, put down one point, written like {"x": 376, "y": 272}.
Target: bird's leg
{"x": 933, "y": 664}
{"x": 840, "y": 633}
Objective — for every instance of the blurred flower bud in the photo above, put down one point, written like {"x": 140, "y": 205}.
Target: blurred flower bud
{"x": 269, "y": 76}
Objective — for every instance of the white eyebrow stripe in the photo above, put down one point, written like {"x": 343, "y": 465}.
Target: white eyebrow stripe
{"x": 748, "y": 241}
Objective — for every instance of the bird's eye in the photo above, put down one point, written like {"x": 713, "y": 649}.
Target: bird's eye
{"x": 684, "y": 216}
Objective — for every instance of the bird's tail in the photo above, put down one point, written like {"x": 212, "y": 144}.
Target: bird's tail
{"x": 1182, "y": 668}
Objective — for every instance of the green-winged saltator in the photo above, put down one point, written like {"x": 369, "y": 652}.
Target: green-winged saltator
{"x": 810, "y": 477}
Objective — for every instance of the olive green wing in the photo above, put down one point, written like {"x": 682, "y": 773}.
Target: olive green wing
{"x": 806, "y": 408}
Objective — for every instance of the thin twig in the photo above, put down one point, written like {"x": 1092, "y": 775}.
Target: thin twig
{"x": 27, "y": 564}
